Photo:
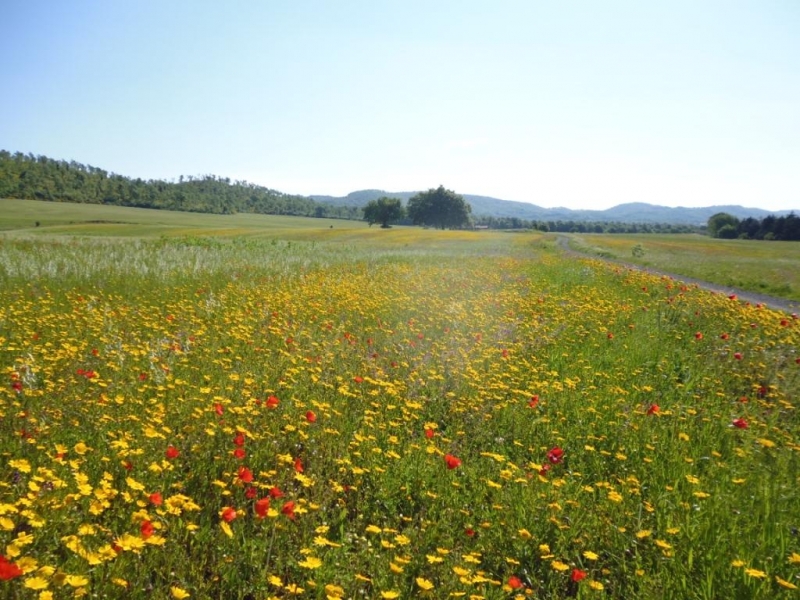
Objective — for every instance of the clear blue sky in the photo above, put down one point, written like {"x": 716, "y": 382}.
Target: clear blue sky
{"x": 583, "y": 104}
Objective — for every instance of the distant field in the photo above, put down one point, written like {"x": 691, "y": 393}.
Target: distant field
{"x": 19, "y": 218}
{"x": 764, "y": 267}
{"x": 57, "y": 218}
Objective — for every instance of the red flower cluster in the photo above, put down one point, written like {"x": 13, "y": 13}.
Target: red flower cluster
{"x": 578, "y": 575}
{"x": 8, "y": 570}
{"x": 228, "y": 514}
{"x": 556, "y": 455}
{"x": 146, "y": 528}
{"x": 452, "y": 462}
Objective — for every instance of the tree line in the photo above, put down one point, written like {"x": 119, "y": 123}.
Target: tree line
{"x": 32, "y": 177}
{"x": 37, "y": 177}
{"x": 726, "y": 226}
{"x": 571, "y": 226}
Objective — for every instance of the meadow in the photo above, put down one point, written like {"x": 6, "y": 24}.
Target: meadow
{"x": 263, "y": 408}
{"x": 763, "y": 267}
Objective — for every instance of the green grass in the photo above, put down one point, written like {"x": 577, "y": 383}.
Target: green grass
{"x": 771, "y": 268}
{"x": 56, "y": 218}
{"x": 342, "y": 367}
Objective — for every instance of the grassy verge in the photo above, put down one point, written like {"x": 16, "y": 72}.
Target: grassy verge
{"x": 763, "y": 267}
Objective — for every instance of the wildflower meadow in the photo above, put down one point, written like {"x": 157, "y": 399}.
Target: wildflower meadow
{"x": 427, "y": 414}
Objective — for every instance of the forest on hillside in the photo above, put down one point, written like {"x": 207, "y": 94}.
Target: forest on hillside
{"x": 32, "y": 177}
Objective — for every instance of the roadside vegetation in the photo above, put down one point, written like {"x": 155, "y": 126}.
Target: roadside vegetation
{"x": 771, "y": 268}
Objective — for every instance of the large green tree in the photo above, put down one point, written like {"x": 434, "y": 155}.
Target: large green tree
{"x": 384, "y": 211}
{"x": 721, "y": 224}
{"x": 439, "y": 208}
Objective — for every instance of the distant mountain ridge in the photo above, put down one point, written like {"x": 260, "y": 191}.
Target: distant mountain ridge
{"x": 632, "y": 212}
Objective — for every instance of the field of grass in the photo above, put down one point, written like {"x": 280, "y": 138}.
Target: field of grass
{"x": 764, "y": 267}
{"x": 385, "y": 414}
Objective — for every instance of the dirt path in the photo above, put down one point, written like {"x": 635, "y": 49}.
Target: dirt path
{"x": 772, "y": 302}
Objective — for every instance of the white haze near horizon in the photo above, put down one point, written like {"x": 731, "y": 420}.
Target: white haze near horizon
{"x": 584, "y": 105}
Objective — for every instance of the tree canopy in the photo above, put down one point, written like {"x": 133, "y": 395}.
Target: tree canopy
{"x": 722, "y": 223}
{"x": 384, "y": 211}
{"x": 31, "y": 177}
{"x": 439, "y": 208}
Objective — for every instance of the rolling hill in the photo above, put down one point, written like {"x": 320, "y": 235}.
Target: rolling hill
{"x": 633, "y": 212}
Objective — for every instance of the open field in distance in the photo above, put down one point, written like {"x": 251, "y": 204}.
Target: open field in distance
{"x": 764, "y": 267}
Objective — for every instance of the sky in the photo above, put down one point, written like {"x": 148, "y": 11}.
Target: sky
{"x": 581, "y": 104}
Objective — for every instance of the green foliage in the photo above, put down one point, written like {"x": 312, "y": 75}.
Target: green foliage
{"x": 673, "y": 411}
{"x": 31, "y": 177}
{"x": 384, "y": 211}
{"x": 727, "y": 232}
{"x": 719, "y": 220}
{"x": 782, "y": 228}
{"x": 439, "y": 208}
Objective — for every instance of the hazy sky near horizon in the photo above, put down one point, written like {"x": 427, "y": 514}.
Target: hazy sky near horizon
{"x": 581, "y": 104}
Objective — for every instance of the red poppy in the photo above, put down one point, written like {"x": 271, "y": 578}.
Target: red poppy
{"x": 262, "y": 507}
{"x": 311, "y": 417}
{"x": 275, "y": 492}
{"x": 429, "y": 433}
{"x": 219, "y": 409}
{"x": 556, "y": 455}
{"x": 578, "y": 575}
{"x": 298, "y": 465}
{"x": 533, "y": 402}
{"x": 358, "y": 379}
{"x": 8, "y": 570}
{"x": 610, "y": 335}
{"x": 156, "y": 499}
{"x": 469, "y": 532}
{"x": 543, "y": 471}
{"x": 250, "y": 493}
{"x": 732, "y": 297}
{"x": 17, "y": 386}
{"x": 740, "y": 424}
{"x": 239, "y": 439}
{"x": 724, "y": 336}
{"x": 515, "y": 583}
{"x": 698, "y": 336}
{"x": 452, "y": 462}
{"x": 654, "y": 408}
{"x": 737, "y": 355}
{"x": 272, "y": 402}
{"x": 245, "y": 475}
{"x": 228, "y": 514}
{"x": 239, "y": 453}
{"x": 172, "y": 452}
{"x": 146, "y": 528}
{"x": 288, "y": 509}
